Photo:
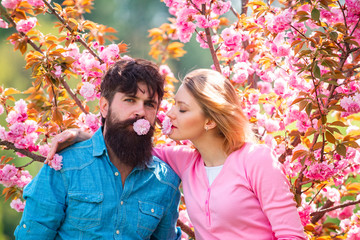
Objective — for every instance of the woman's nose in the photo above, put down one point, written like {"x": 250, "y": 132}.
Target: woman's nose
{"x": 170, "y": 113}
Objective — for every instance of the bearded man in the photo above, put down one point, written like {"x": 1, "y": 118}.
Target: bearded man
{"x": 110, "y": 186}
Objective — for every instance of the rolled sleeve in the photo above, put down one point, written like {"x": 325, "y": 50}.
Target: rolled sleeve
{"x": 45, "y": 206}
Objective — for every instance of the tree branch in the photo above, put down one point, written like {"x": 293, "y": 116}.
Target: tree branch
{"x": 243, "y": 6}
{"x": 316, "y": 216}
{"x": 10, "y": 145}
{"x": 186, "y": 229}
{"x": 319, "y": 214}
{"x": 80, "y": 40}
{"x": 78, "y": 102}
{"x": 211, "y": 46}
{"x": 66, "y": 86}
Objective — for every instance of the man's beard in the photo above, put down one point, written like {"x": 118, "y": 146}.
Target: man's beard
{"x": 131, "y": 149}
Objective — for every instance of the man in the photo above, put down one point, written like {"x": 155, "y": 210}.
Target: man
{"x": 110, "y": 186}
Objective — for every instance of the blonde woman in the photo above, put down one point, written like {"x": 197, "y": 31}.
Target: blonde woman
{"x": 233, "y": 188}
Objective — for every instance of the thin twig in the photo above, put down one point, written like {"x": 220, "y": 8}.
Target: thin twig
{"x": 24, "y": 166}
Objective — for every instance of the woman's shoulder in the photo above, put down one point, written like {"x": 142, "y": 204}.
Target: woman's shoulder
{"x": 253, "y": 149}
{"x": 254, "y": 154}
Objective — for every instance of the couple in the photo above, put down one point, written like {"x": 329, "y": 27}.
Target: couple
{"x": 111, "y": 187}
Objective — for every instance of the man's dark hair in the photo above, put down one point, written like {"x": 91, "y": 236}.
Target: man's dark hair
{"x": 125, "y": 75}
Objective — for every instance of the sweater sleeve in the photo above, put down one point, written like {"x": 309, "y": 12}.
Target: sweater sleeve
{"x": 272, "y": 189}
{"x": 178, "y": 157}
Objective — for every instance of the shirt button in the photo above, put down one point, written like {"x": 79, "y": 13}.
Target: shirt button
{"x": 116, "y": 174}
{"x": 152, "y": 210}
{"x": 117, "y": 232}
{"x": 24, "y": 226}
{"x": 121, "y": 202}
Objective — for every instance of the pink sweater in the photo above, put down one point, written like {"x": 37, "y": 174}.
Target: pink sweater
{"x": 249, "y": 199}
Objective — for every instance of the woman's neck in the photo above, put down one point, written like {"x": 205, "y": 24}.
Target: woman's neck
{"x": 211, "y": 150}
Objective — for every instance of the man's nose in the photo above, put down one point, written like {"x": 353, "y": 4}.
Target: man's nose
{"x": 140, "y": 110}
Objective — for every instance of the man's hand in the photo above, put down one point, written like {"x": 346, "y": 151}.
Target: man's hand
{"x": 64, "y": 140}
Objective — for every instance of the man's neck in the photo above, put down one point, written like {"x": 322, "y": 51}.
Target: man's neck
{"x": 123, "y": 169}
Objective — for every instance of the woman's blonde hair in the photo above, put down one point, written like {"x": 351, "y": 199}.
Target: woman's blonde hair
{"x": 219, "y": 102}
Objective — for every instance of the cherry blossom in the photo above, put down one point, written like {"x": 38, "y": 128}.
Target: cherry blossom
{"x": 26, "y": 25}
{"x": 18, "y": 205}
{"x": 141, "y": 126}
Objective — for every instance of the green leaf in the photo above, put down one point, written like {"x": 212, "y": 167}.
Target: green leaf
{"x": 316, "y": 71}
{"x": 308, "y": 109}
{"x": 341, "y": 149}
{"x": 338, "y": 123}
{"x": 329, "y": 137}
{"x": 352, "y": 144}
{"x": 334, "y": 36}
{"x": 315, "y": 14}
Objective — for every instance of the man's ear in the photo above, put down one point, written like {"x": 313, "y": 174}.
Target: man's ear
{"x": 104, "y": 107}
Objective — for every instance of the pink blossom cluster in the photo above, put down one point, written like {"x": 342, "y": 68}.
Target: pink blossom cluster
{"x": 10, "y": 4}
{"x": 351, "y": 104}
{"x": 56, "y": 162}
{"x": 89, "y": 121}
{"x": 233, "y": 38}
{"x": 279, "y": 23}
{"x": 188, "y": 16}
{"x": 353, "y": 7}
{"x": 304, "y": 213}
{"x": 241, "y": 72}
{"x": 22, "y": 131}
{"x": 351, "y": 226}
{"x": 166, "y": 126}
{"x": 88, "y": 91}
{"x": 37, "y": 3}
{"x": 3, "y": 24}
{"x": 141, "y": 126}
{"x": 17, "y": 204}
{"x": 10, "y": 176}
{"x": 321, "y": 171}
{"x": 25, "y": 25}
{"x": 109, "y": 54}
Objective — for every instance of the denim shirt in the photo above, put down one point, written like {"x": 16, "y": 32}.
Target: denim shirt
{"x": 86, "y": 199}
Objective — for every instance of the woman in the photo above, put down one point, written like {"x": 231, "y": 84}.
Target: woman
{"x": 233, "y": 188}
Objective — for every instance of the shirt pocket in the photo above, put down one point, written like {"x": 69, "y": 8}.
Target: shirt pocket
{"x": 150, "y": 215}
{"x": 85, "y": 209}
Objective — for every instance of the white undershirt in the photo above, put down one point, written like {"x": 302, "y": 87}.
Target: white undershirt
{"x": 212, "y": 172}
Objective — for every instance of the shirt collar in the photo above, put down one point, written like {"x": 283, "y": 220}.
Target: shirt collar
{"x": 98, "y": 143}
{"x": 99, "y": 147}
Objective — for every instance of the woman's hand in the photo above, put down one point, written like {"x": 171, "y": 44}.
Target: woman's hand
{"x": 64, "y": 140}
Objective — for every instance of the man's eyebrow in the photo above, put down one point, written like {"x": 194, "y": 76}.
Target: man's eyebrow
{"x": 152, "y": 101}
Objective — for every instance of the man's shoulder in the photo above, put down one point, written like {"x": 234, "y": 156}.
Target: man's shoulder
{"x": 164, "y": 173}
{"x": 77, "y": 155}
